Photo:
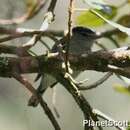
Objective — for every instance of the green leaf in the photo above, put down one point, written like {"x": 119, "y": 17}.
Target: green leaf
{"x": 128, "y": 128}
{"x": 98, "y": 4}
{"x": 122, "y": 89}
{"x": 90, "y": 20}
{"x": 116, "y": 25}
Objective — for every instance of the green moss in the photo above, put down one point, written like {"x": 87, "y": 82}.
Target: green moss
{"x": 4, "y": 67}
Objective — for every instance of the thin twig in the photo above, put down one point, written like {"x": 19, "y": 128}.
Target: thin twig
{"x": 101, "y": 46}
{"x": 43, "y": 104}
{"x": 52, "y": 6}
{"x": 113, "y": 41}
{"x": 54, "y": 102}
{"x": 105, "y": 117}
{"x": 97, "y": 83}
{"x": 69, "y": 32}
{"x": 33, "y": 101}
{"x": 44, "y": 43}
{"x": 48, "y": 18}
{"x": 28, "y": 15}
{"x": 119, "y": 70}
{"x": 9, "y": 49}
{"x": 79, "y": 98}
{"x": 24, "y": 31}
{"x": 27, "y": 34}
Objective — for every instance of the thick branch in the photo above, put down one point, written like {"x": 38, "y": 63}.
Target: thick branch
{"x": 116, "y": 61}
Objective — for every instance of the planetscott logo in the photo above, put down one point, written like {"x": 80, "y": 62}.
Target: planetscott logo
{"x": 106, "y": 123}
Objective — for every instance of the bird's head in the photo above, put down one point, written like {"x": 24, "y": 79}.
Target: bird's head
{"x": 85, "y": 32}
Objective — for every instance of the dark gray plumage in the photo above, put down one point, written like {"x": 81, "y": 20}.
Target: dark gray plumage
{"x": 81, "y": 42}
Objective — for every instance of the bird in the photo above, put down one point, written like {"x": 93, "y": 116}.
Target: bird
{"x": 80, "y": 42}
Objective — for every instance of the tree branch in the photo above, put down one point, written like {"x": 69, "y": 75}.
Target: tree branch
{"x": 116, "y": 61}
{"x": 48, "y": 18}
{"x": 97, "y": 83}
{"x": 28, "y": 15}
{"x": 105, "y": 117}
{"x": 79, "y": 98}
{"x": 43, "y": 104}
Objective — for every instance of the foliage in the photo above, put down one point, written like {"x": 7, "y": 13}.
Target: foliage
{"x": 91, "y": 20}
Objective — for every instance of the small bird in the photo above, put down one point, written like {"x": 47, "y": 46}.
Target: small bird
{"x": 81, "y": 42}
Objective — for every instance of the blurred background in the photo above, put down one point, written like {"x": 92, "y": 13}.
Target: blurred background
{"x": 14, "y": 112}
